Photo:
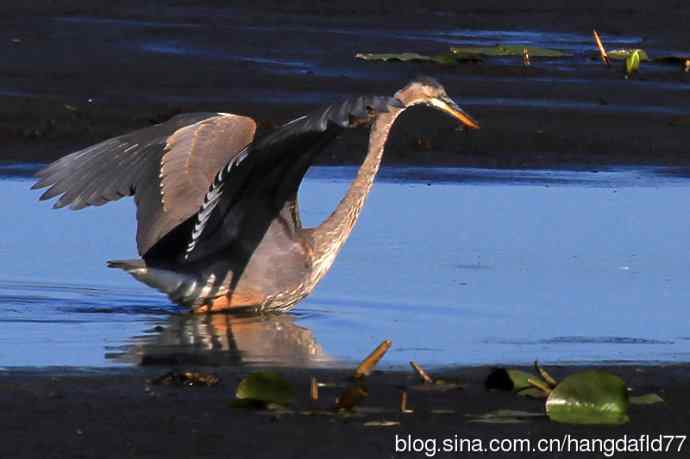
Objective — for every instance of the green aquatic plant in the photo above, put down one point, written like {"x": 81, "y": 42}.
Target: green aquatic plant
{"x": 442, "y": 58}
{"x": 632, "y": 63}
{"x": 622, "y": 54}
{"x": 646, "y": 399}
{"x": 263, "y": 388}
{"x": 589, "y": 397}
{"x": 465, "y": 54}
{"x": 507, "y": 50}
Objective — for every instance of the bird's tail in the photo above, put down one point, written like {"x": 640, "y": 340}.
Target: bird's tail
{"x": 127, "y": 265}
{"x": 180, "y": 288}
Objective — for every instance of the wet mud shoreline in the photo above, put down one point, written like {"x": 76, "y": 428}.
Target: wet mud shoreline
{"x": 118, "y": 413}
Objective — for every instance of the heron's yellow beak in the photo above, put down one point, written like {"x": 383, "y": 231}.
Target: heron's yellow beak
{"x": 447, "y": 105}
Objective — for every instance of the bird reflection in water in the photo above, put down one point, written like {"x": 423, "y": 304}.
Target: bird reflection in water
{"x": 223, "y": 339}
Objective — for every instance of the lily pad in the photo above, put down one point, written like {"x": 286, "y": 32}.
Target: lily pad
{"x": 265, "y": 387}
{"x": 589, "y": 397}
{"x": 646, "y": 399}
{"x": 507, "y": 50}
{"x": 442, "y": 58}
{"x": 401, "y": 57}
{"x": 620, "y": 54}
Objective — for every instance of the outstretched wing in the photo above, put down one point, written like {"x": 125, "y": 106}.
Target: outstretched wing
{"x": 168, "y": 168}
{"x": 261, "y": 182}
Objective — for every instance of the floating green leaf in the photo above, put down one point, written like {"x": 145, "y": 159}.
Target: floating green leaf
{"x": 507, "y": 50}
{"x": 621, "y": 54}
{"x": 632, "y": 63}
{"x": 589, "y": 397}
{"x": 646, "y": 399}
{"x": 443, "y": 58}
{"x": 265, "y": 387}
{"x": 402, "y": 57}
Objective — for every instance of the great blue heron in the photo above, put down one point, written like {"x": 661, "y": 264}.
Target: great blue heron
{"x": 218, "y": 219}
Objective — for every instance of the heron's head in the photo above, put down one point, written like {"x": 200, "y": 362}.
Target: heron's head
{"x": 428, "y": 91}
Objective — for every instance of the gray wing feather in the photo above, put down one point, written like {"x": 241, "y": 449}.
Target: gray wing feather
{"x": 176, "y": 160}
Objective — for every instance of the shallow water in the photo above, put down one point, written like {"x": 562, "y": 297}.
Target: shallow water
{"x": 454, "y": 265}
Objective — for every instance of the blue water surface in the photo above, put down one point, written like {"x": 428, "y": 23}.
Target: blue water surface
{"x": 457, "y": 266}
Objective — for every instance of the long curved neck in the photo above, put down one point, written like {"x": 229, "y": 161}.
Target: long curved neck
{"x": 329, "y": 237}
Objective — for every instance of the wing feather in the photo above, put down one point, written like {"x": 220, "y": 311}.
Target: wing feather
{"x": 174, "y": 161}
{"x": 264, "y": 179}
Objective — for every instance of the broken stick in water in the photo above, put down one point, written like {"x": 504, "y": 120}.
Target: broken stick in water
{"x": 403, "y": 403}
{"x": 422, "y": 374}
{"x": 314, "y": 389}
{"x": 602, "y": 50}
{"x": 550, "y": 380}
{"x": 368, "y": 364}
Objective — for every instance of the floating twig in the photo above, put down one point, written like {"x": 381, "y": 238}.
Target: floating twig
{"x": 368, "y": 364}
{"x": 602, "y": 50}
{"x": 422, "y": 374}
{"x": 314, "y": 389}
{"x": 403, "y": 403}
{"x": 540, "y": 385}
{"x": 550, "y": 380}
